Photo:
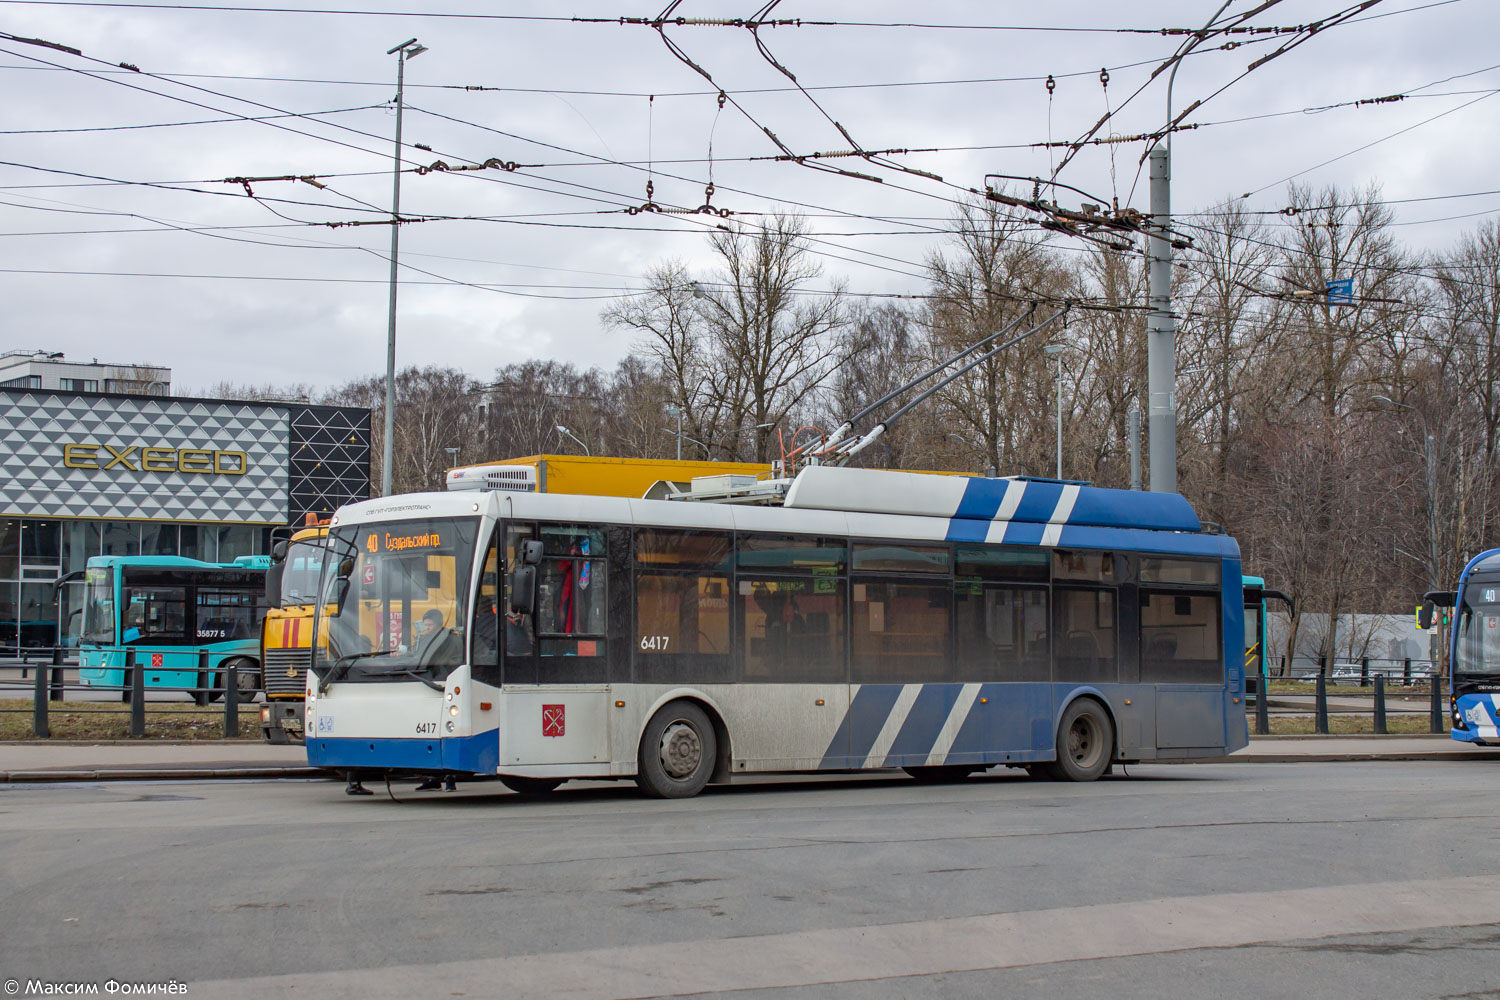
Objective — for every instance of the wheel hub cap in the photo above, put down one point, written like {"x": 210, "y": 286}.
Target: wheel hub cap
{"x": 1081, "y": 742}
{"x": 681, "y": 750}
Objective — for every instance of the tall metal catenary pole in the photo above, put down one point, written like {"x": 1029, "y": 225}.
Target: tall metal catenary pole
{"x": 1161, "y": 330}
{"x": 1161, "y": 327}
{"x": 408, "y": 49}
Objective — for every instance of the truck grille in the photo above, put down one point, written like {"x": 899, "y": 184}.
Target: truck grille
{"x": 278, "y": 662}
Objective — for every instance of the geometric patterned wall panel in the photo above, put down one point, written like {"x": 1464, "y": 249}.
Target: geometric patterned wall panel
{"x": 175, "y": 481}
{"x": 330, "y": 459}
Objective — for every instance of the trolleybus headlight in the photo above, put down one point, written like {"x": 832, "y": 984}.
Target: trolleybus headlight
{"x": 453, "y": 710}
{"x": 450, "y": 725}
{"x": 449, "y": 696}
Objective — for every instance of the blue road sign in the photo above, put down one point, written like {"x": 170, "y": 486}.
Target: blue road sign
{"x": 1341, "y": 292}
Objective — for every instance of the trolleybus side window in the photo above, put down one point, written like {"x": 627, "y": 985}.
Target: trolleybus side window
{"x": 1180, "y": 617}
{"x": 1000, "y": 605}
{"x": 792, "y": 596}
{"x": 901, "y": 623}
{"x": 572, "y": 602}
{"x": 1083, "y": 617}
{"x": 682, "y": 606}
{"x": 571, "y": 589}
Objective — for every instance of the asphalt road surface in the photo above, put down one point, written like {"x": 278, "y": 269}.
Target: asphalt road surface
{"x": 1263, "y": 880}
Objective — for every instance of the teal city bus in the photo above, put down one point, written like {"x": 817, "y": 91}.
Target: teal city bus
{"x": 168, "y": 610}
{"x": 1256, "y": 596}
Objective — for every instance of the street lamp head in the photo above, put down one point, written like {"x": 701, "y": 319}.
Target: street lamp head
{"x": 1384, "y": 399}
{"x": 698, "y": 292}
{"x": 563, "y": 430}
{"x": 1055, "y": 348}
{"x": 672, "y": 411}
{"x": 415, "y": 51}
{"x": 397, "y": 48}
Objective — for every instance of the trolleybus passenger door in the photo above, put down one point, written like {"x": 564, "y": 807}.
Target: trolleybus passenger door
{"x": 556, "y": 649}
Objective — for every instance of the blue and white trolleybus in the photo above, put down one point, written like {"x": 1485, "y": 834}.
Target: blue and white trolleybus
{"x": 845, "y": 619}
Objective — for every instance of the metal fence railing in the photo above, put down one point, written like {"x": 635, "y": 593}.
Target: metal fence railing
{"x": 1432, "y": 682}
{"x": 1351, "y": 670}
{"x": 43, "y": 675}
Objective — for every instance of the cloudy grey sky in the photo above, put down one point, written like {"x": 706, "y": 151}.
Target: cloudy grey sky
{"x": 257, "y": 290}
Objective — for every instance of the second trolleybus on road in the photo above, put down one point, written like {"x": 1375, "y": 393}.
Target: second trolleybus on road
{"x": 1474, "y": 656}
{"x": 863, "y": 619}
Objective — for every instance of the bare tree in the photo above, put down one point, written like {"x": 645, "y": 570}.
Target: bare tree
{"x": 746, "y": 350}
{"x": 996, "y": 270}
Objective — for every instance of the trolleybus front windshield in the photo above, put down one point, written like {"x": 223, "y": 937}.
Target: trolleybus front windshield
{"x": 394, "y": 600}
{"x": 1478, "y": 628}
{"x": 99, "y": 606}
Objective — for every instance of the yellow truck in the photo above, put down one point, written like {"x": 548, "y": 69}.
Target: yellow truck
{"x": 601, "y": 476}
{"x": 286, "y": 631}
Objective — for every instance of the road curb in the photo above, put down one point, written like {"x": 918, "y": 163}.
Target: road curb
{"x": 1325, "y": 758}
{"x": 162, "y": 774}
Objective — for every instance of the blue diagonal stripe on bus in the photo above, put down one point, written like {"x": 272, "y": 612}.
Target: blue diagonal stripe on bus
{"x": 981, "y": 499}
{"x": 928, "y": 714}
{"x": 1038, "y": 502}
{"x": 862, "y": 723}
{"x": 1020, "y": 533}
{"x": 961, "y": 530}
{"x": 1005, "y": 722}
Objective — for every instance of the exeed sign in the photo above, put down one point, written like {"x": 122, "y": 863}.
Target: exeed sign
{"x": 138, "y": 458}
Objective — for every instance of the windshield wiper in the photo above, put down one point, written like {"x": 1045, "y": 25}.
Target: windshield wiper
{"x": 342, "y": 664}
{"x": 425, "y": 680}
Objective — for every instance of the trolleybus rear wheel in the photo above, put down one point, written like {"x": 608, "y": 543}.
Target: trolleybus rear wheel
{"x": 248, "y": 673}
{"x": 677, "y": 752}
{"x": 1085, "y": 742}
{"x": 530, "y": 786}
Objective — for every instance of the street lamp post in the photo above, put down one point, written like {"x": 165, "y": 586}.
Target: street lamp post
{"x": 563, "y": 430}
{"x": 1054, "y": 350}
{"x": 408, "y": 49}
{"x": 676, "y": 411}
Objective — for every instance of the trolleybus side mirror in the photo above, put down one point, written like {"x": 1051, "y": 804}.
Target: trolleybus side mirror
{"x": 531, "y": 552}
{"x": 278, "y": 552}
{"x": 521, "y": 582}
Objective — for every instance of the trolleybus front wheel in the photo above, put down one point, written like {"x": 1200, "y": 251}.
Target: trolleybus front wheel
{"x": 677, "y": 752}
{"x": 530, "y": 786}
{"x": 1085, "y": 742}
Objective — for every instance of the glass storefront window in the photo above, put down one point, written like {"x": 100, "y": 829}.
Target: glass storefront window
{"x": 191, "y": 542}
{"x": 236, "y": 540}
{"x": 80, "y": 540}
{"x": 10, "y": 549}
{"x": 9, "y": 617}
{"x": 41, "y": 543}
{"x": 121, "y": 538}
{"x": 158, "y": 539}
{"x": 38, "y": 615}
